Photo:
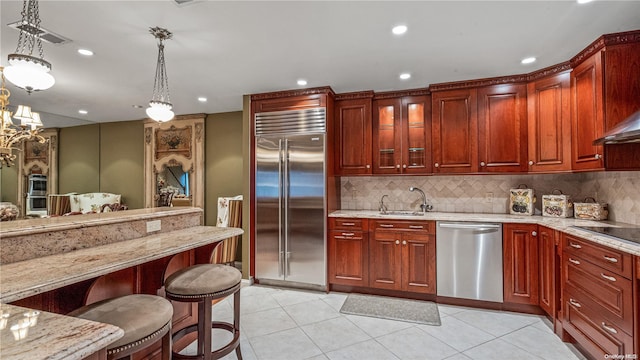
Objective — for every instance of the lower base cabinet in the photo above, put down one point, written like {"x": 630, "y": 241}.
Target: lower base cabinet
{"x": 598, "y": 302}
{"x": 348, "y": 249}
{"x": 402, "y": 256}
{"x": 520, "y": 263}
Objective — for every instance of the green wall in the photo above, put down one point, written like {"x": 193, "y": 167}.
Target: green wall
{"x": 9, "y": 184}
{"x": 223, "y": 161}
{"x": 79, "y": 159}
{"x": 122, "y": 161}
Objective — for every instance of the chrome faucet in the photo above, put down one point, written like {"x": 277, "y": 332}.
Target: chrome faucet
{"x": 424, "y": 206}
{"x": 383, "y": 208}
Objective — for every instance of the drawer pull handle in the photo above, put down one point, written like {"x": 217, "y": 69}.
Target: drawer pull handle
{"x": 349, "y": 224}
{"x": 609, "y": 328}
{"x": 397, "y": 242}
{"x": 610, "y": 278}
{"x": 576, "y": 246}
{"x": 575, "y": 303}
{"x": 416, "y": 227}
{"x": 610, "y": 259}
{"x": 576, "y": 262}
{"x": 386, "y": 225}
{"x": 348, "y": 234}
{"x": 404, "y": 242}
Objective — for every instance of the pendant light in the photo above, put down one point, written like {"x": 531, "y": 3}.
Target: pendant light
{"x": 160, "y": 105}
{"x": 25, "y": 70}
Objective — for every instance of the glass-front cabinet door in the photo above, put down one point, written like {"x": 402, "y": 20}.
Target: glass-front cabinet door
{"x": 401, "y": 135}
{"x": 387, "y": 136}
{"x": 416, "y": 134}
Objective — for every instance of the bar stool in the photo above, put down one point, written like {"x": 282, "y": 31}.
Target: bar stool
{"x": 202, "y": 284}
{"x": 144, "y": 319}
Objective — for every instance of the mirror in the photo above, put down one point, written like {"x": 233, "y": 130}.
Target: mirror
{"x": 173, "y": 185}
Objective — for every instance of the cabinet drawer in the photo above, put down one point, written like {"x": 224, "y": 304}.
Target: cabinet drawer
{"x": 608, "y": 294}
{"x": 427, "y": 227}
{"x": 348, "y": 223}
{"x": 608, "y": 258}
{"x": 597, "y": 337}
{"x": 346, "y": 234}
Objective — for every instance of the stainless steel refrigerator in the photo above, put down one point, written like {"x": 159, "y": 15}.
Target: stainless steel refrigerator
{"x": 290, "y": 198}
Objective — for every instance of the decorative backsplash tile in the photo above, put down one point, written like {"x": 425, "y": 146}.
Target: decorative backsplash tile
{"x": 489, "y": 193}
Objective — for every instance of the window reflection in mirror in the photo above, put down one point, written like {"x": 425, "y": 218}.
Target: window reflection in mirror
{"x": 172, "y": 183}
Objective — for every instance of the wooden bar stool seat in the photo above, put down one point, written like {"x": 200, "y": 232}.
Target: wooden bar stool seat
{"x": 202, "y": 284}
{"x": 144, "y": 319}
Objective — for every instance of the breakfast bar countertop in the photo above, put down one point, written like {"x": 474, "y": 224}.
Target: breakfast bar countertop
{"x": 29, "y": 334}
{"x": 26, "y": 278}
{"x": 566, "y": 225}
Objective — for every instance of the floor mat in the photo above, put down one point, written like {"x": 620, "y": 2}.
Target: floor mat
{"x": 416, "y": 311}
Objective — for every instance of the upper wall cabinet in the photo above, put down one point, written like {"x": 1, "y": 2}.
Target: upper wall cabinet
{"x": 401, "y": 133}
{"x": 455, "y": 131}
{"x": 353, "y": 133}
{"x": 587, "y": 116}
{"x": 550, "y": 122}
{"x": 502, "y": 128}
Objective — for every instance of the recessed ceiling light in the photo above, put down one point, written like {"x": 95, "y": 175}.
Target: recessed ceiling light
{"x": 83, "y": 112}
{"x": 302, "y": 82}
{"x": 202, "y": 99}
{"x": 583, "y": 1}
{"x": 399, "y": 30}
{"x": 528, "y": 60}
{"x": 405, "y": 76}
{"x": 85, "y": 52}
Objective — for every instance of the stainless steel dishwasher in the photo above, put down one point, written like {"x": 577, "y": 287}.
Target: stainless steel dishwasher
{"x": 469, "y": 260}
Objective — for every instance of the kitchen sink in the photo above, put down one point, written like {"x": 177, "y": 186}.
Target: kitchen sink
{"x": 408, "y": 213}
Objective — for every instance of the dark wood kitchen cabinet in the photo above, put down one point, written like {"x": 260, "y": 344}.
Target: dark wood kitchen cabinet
{"x": 455, "y": 131}
{"x": 502, "y": 128}
{"x": 401, "y": 133}
{"x": 402, "y": 256}
{"x": 587, "y": 115}
{"x": 597, "y": 295}
{"x": 549, "y": 266}
{"x": 353, "y": 133}
{"x": 348, "y": 249}
{"x": 521, "y": 264}
{"x": 549, "y": 119}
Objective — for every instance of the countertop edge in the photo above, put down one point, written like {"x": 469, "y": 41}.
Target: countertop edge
{"x": 100, "y": 264}
{"x": 561, "y": 224}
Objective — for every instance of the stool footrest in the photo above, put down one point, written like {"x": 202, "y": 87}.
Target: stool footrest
{"x": 220, "y": 352}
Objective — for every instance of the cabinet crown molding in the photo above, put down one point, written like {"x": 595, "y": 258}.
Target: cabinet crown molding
{"x": 298, "y": 92}
{"x": 603, "y": 41}
{"x": 368, "y": 94}
{"x": 401, "y": 93}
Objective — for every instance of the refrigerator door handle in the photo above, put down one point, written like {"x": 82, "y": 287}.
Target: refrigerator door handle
{"x": 285, "y": 190}
{"x": 280, "y": 198}
{"x": 288, "y": 269}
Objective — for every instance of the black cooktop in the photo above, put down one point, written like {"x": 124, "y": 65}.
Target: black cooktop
{"x": 624, "y": 233}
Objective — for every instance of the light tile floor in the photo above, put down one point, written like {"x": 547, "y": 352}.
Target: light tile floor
{"x": 281, "y": 324}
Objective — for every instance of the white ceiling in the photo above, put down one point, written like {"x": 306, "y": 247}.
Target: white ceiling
{"x": 226, "y": 49}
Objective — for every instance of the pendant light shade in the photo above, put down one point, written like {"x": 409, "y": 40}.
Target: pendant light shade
{"x": 25, "y": 70}
{"x": 160, "y": 105}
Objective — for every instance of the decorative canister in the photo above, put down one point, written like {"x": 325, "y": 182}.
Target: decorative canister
{"x": 521, "y": 201}
{"x": 591, "y": 210}
{"x": 557, "y": 205}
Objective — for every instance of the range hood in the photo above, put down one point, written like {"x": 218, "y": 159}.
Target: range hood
{"x": 628, "y": 131}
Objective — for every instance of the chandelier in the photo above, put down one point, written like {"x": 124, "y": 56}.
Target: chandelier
{"x": 25, "y": 70}
{"x": 160, "y": 105}
{"x": 10, "y": 134}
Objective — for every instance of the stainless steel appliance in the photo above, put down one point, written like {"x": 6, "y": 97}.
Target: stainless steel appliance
{"x": 290, "y": 231}
{"x": 469, "y": 260}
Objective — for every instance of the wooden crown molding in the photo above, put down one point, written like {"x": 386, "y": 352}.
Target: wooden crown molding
{"x": 289, "y": 93}
{"x": 511, "y": 79}
{"x": 401, "y": 93}
{"x": 600, "y": 43}
{"x": 355, "y": 95}
{"x": 548, "y": 71}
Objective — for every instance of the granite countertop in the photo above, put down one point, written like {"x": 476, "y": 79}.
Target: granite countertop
{"x": 22, "y": 279}
{"x": 59, "y": 223}
{"x": 562, "y": 224}
{"x": 28, "y": 334}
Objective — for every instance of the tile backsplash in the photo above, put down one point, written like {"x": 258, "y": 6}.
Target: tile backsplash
{"x": 489, "y": 193}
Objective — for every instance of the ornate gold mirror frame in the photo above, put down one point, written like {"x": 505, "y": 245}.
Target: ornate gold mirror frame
{"x": 179, "y": 142}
